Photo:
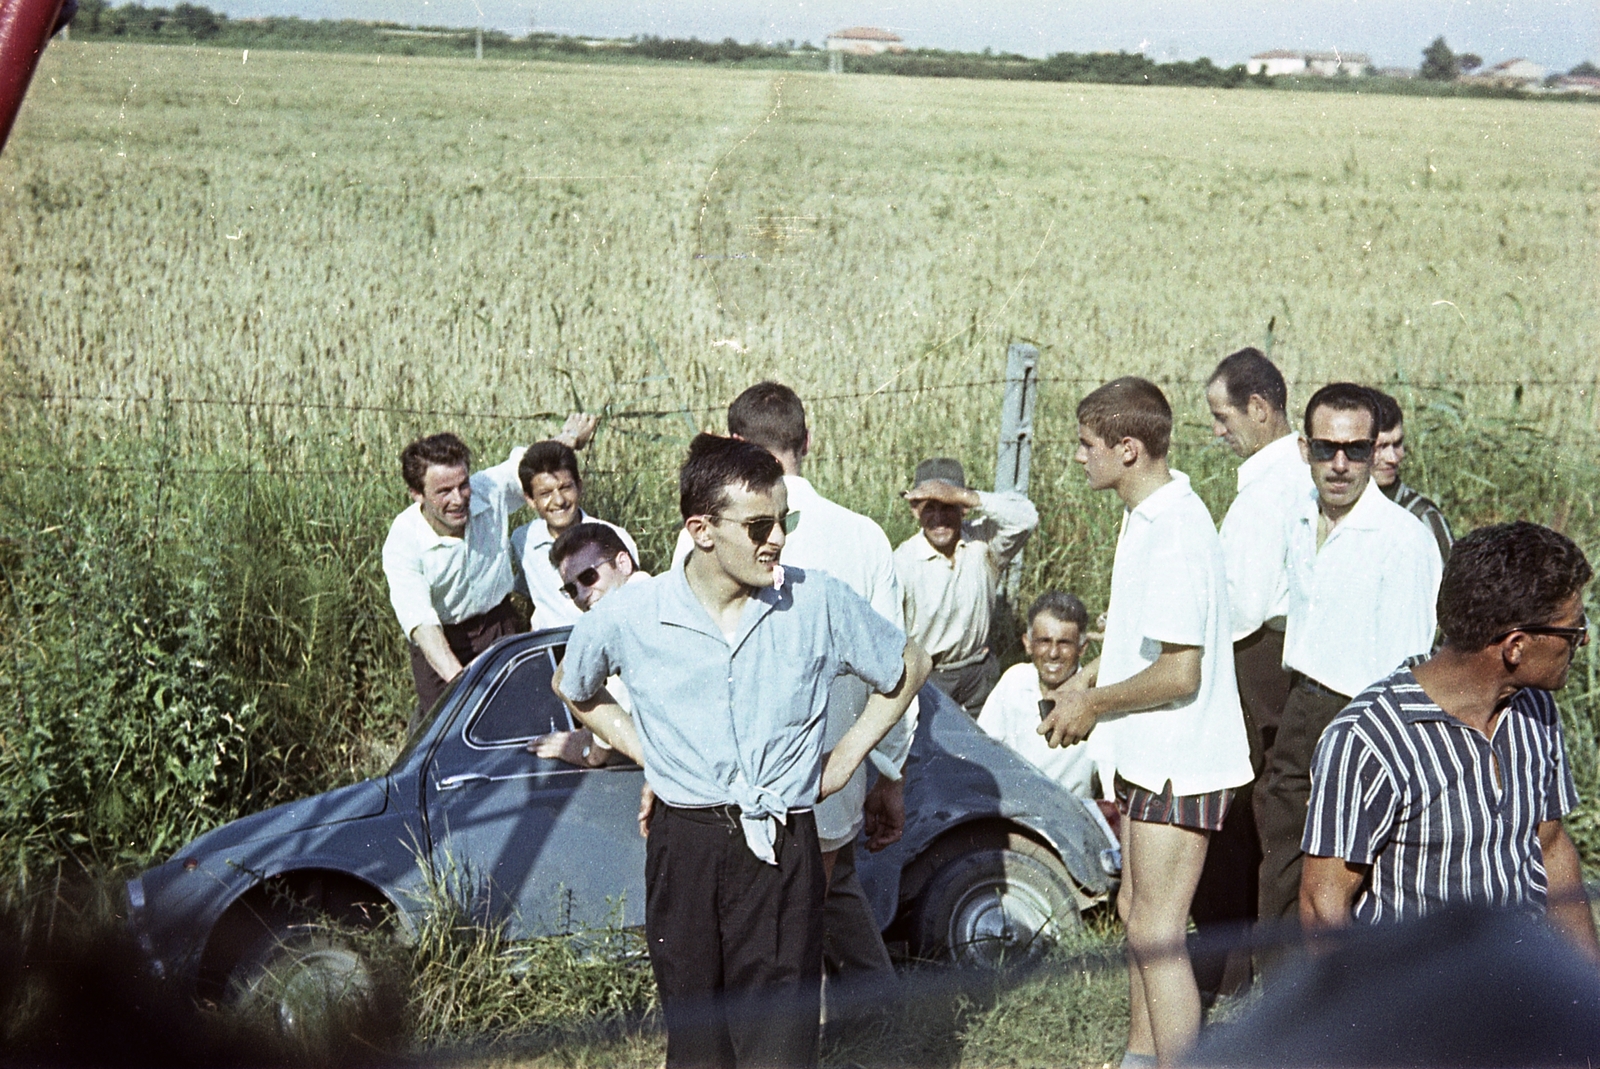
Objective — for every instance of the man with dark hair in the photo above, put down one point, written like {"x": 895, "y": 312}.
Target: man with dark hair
{"x": 1362, "y": 579}
{"x": 554, "y": 490}
{"x": 1446, "y": 783}
{"x": 1391, "y": 453}
{"x": 950, "y": 574}
{"x": 1058, "y": 630}
{"x": 592, "y": 561}
{"x": 727, "y": 659}
{"x": 1162, "y": 701}
{"x": 853, "y": 549}
{"x": 446, "y": 561}
{"x": 1248, "y": 400}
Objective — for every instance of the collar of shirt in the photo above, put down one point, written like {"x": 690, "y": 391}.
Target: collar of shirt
{"x": 1163, "y": 498}
{"x": 539, "y": 531}
{"x": 1364, "y": 516}
{"x": 680, "y": 608}
{"x": 422, "y": 532}
{"x": 1280, "y": 453}
{"x": 925, "y": 550}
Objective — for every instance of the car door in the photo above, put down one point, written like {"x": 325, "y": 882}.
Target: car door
{"x": 544, "y": 846}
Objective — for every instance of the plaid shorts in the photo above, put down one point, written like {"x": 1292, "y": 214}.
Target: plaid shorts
{"x": 1204, "y": 812}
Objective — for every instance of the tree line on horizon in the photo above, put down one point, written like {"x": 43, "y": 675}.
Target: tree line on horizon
{"x": 188, "y": 23}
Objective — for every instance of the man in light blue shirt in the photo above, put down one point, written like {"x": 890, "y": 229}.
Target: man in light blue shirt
{"x": 728, "y": 660}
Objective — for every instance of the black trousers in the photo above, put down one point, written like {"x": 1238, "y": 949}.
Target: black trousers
{"x": 1226, "y": 899}
{"x": 467, "y": 639}
{"x": 735, "y": 943}
{"x": 1284, "y": 792}
{"x": 971, "y": 685}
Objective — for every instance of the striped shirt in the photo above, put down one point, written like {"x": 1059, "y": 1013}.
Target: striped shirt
{"x": 1403, "y": 786}
{"x": 1425, "y": 510}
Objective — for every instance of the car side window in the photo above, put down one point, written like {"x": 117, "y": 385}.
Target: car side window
{"x": 520, "y": 705}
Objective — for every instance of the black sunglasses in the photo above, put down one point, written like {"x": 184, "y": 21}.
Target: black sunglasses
{"x": 1575, "y": 636}
{"x": 760, "y": 528}
{"x": 1359, "y": 452}
{"x": 586, "y": 578}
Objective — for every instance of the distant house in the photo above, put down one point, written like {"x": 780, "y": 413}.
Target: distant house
{"x": 1276, "y": 62}
{"x": 864, "y": 41}
{"x": 1516, "y": 73}
{"x": 1586, "y": 84}
{"x": 1281, "y": 61}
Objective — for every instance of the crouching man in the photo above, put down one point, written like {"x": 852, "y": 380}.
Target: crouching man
{"x": 728, "y": 660}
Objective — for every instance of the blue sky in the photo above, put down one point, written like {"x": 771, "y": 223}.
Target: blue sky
{"x": 1556, "y": 33}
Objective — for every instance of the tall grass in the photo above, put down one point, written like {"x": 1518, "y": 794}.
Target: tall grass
{"x": 232, "y": 290}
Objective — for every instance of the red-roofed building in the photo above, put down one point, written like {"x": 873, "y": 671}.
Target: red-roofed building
{"x": 864, "y": 41}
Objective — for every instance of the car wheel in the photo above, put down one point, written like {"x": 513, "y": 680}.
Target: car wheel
{"x": 308, "y": 982}
{"x": 996, "y": 906}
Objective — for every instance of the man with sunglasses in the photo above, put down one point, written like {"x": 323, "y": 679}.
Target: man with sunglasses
{"x": 1447, "y": 783}
{"x": 950, "y": 574}
{"x": 591, "y": 560}
{"x": 728, "y": 660}
{"x": 1363, "y": 574}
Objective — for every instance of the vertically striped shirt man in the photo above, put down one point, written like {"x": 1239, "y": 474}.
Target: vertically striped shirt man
{"x": 1441, "y": 813}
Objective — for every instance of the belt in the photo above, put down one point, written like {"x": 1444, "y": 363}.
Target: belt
{"x": 1305, "y": 682}
{"x": 965, "y": 662}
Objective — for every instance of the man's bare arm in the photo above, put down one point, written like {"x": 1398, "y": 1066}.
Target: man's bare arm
{"x": 1174, "y": 676}
{"x": 602, "y": 715}
{"x": 436, "y": 648}
{"x": 880, "y": 714}
{"x": 1568, "y": 907}
{"x": 1328, "y": 888}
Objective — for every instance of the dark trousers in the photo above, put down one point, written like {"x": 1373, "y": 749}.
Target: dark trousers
{"x": 970, "y": 685}
{"x": 1225, "y": 901}
{"x": 467, "y": 639}
{"x": 852, "y": 946}
{"x": 735, "y": 943}
{"x": 1284, "y": 792}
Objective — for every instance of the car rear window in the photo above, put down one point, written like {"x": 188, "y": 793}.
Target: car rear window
{"x": 520, "y": 706}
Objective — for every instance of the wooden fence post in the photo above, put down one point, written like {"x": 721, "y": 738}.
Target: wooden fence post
{"x": 1016, "y": 436}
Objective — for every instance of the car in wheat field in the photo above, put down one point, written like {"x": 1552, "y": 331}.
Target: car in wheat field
{"x": 995, "y": 864}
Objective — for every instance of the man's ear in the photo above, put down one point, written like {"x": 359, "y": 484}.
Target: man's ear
{"x": 1257, "y": 409}
{"x": 416, "y": 495}
{"x": 1305, "y": 449}
{"x": 1027, "y": 641}
{"x": 1132, "y": 449}
{"x": 699, "y": 528}
{"x": 1511, "y": 652}
{"x": 623, "y": 562}
{"x": 805, "y": 450}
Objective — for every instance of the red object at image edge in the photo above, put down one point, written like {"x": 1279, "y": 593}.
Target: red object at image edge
{"x": 25, "y": 28}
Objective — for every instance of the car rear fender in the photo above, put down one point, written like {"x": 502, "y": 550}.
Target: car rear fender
{"x": 891, "y": 894}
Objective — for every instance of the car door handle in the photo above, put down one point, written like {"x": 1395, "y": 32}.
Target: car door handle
{"x": 450, "y": 783}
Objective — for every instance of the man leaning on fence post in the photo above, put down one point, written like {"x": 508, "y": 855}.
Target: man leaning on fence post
{"x": 728, "y": 658}
{"x": 1446, "y": 783}
{"x": 1161, "y": 698}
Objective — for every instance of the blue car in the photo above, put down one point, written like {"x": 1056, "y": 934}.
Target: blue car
{"x": 996, "y": 861}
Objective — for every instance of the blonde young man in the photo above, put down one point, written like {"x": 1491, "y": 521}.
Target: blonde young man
{"x": 1161, "y": 698}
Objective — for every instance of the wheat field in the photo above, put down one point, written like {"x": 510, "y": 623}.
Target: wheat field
{"x": 233, "y": 285}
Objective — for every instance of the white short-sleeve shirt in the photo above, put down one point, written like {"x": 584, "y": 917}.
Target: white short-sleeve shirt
{"x": 1272, "y": 483}
{"x": 1169, "y": 584}
{"x": 1364, "y": 602}
{"x": 1011, "y": 714}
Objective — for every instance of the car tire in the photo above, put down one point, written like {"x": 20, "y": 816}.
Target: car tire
{"x": 996, "y": 906}
{"x": 308, "y": 982}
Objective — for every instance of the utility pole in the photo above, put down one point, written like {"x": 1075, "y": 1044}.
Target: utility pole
{"x": 1016, "y": 436}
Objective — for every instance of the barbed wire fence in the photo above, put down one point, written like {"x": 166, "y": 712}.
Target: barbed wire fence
{"x": 707, "y": 413}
